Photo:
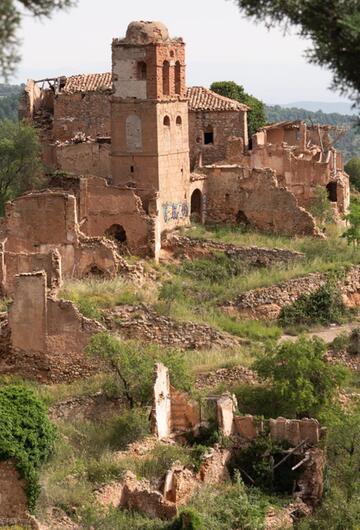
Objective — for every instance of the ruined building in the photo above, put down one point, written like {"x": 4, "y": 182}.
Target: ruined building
{"x": 146, "y": 153}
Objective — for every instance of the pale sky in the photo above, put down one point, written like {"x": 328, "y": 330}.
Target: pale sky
{"x": 221, "y": 45}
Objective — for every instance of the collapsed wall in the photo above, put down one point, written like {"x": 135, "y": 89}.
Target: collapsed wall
{"x": 238, "y": 195}
{"x": 47, "y": 336}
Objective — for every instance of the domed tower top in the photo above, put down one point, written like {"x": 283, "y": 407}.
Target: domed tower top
{"x": 146, "y": 32}
{"x": 148, "y": 64}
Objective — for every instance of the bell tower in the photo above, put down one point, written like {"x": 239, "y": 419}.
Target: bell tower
{"x": 149, "y": 118}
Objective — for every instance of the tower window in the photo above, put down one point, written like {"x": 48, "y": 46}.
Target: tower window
{"x": 178, "y": 120}
{"x": 177, "y": 77}
{"x": 166, "y": 78}
{"x": 132, "y": 169}
{"x": 167, "y": 121}
{"x": 141, "y": 71}
{"x": 209, "y": 135}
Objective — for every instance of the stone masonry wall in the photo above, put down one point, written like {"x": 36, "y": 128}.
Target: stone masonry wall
{"x": 142, "y": 323}
{"x": 266, "y": 303}
{"x": 197, "y": 248}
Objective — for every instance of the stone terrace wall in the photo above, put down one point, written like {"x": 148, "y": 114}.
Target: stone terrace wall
{"x": 193, "y": 248}
{"x": 266, "y": 303}
{"x": 143, "y": 323}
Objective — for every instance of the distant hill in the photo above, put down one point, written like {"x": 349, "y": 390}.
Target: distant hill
{"x": 349, "y": 144}
{"x": 337, "y": 106}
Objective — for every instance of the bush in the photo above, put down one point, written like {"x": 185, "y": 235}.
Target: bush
{"x": 300, "y": 375}
{"x": 134, "y": 363}
{"x": 26, "y": 434}
{"x": 320, "y": 207}
{"x": 324, "y": 306}
{"x": 352, "y": 168}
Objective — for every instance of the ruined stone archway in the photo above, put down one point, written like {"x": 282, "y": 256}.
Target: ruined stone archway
{"x": 196, "y": 206}
{"x": 116, "y": 233}
{"x": 332, "y": 191}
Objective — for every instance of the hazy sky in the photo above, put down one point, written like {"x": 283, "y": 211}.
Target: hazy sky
{"x": 221, "y": 45}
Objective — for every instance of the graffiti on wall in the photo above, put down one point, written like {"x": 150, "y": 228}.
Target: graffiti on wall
{"x": 174, "y": 211}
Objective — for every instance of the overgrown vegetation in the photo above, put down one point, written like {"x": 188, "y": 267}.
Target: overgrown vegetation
{"x": 26, "y": 434}
{"x": 134, "y": 363}
{"x": 300, "y": 376}
{"x": 20, "y": 160}
{"x": 324, "y": 306}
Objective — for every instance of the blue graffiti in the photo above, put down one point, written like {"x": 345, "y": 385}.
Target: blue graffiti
{"x": 173, "y": 211}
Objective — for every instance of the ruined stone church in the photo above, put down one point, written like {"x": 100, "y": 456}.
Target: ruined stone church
{"x": 146, "y": 153}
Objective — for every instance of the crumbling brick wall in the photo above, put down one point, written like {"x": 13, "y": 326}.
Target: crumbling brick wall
{"x": 48, "y": 335}
{"x": 84, "y": 158}
{"x": 101, "y": 206}
{"x": 236, "y": 194}
{"x": 87, "y": 112}
{"x": 13, "y": 499}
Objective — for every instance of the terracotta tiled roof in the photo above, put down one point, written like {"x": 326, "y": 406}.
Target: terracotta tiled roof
{"x": 201, "y": 98}
{"x": 87, "y": 83}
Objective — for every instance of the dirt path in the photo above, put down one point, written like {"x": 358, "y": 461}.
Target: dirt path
{"x": 327, "y": 334}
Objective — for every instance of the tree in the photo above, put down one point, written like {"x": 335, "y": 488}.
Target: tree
{"x": 352, "y": 168}
{"x": 134, "y": 364}
{"x": 321, "y": 207}
{"x": 333, "y": 26}
{"x": 300, "y": 375}
{"x": 352, "y": 234}
{"x": 230, "y": 89}
{"x": 11, "y": 13}
{"x": 20, "y": 160}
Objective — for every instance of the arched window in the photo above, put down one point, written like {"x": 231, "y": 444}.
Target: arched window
{"x": 166, "y": 121}
{"x": 178, "y": 120}
{"x": 209, "y": 135}
{"x": 141, "y": 71}
{"x": 133, "y": 133}
{"x": 177, "y": 77}
{"x": 166, "y": 78}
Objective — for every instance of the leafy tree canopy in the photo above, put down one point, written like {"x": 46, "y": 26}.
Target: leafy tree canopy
{"x": 20, "y": 160}
{"x": 26, "y": 434}
{"x": 11, "y": 13}
{"x": 333, "y": 26}
{"x": 300, "y": 375}
{"x": 230, "y": 89}
{"x": 352, "y": 168}
{"x": 134, "y": 363}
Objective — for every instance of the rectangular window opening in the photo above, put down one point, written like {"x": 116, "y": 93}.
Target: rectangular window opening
{"x": 208, "y": 138}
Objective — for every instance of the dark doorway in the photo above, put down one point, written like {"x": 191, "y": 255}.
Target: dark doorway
{"x": 94, "y": 272}
{"x": 241, "y": 218}
{"x": 117, "y": 233}
{"x": 332, "y": 191}
{"x": 196, "y": 206}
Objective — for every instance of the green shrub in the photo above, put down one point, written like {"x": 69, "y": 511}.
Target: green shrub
{"x": 134, "y": 362}
{"x": 324, "y": 306}
{"x": 300, "y": 375}
{"x": 26, "y": 434}
{"x": 230, "y": 506}
{"x": 217, "y": 268}
{"x": 188, "y": 519}
{"x": 321, "y": 207}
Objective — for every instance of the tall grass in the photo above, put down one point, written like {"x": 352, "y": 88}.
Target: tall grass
{"x": 92, "y": 296}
